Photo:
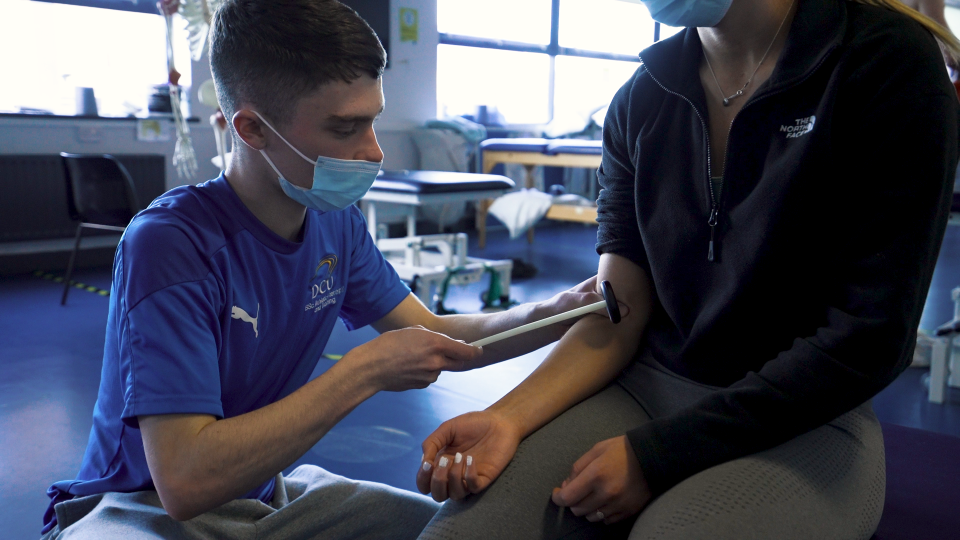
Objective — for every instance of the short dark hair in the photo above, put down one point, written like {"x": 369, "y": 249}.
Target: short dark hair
{"x": 271, "y": 53}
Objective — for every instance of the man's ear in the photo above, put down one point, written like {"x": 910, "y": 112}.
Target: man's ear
{"x": 250, "y": 129}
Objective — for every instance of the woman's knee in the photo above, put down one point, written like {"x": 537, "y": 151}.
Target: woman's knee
{"x": 827, "y": 483}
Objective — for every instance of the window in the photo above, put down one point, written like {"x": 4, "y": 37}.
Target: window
{"x": 952, "y": 15}
{"x": 605, "y": 26}
{"x": 584, "y": 86}
{"x": 51, "y": 49}
{"x": 516, "y": 89}
{"x": 529, "y": 20}
{"x": 547, "y": 61}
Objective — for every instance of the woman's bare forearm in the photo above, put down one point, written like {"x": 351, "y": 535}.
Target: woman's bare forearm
{"x": 578, "y": 367}
{"x": 589, "y": 355}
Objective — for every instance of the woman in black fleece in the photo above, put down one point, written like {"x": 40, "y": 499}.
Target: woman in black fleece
{"x": 775, "y": 191}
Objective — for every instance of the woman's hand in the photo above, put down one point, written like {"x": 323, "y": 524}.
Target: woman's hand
{"x": 607, "y": 479}
{"x": 466, "y": 454}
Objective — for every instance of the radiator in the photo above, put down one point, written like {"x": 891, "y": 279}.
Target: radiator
{"x": 33, "y": 194}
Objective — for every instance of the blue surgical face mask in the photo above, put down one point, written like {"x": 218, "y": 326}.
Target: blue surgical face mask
{"x": 687, "y": 13}
{"x": 337, "y": 183}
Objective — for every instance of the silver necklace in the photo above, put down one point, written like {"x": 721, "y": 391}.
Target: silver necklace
{"x": 738, "y": 93}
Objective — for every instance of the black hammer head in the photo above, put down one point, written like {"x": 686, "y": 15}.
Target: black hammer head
{"x": 613, "y": 308}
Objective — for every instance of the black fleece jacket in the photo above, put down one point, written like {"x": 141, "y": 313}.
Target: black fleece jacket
{"x": 838, "y": 175}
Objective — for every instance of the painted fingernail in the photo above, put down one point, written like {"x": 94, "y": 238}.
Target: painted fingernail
{"x": 426, "y": 466}
{"x": 469, "y": 461}
{"x": 458, "y": 458}
{"x": 443, "y": 462}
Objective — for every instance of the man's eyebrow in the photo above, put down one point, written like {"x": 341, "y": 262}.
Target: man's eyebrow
{"x": 352, "y": 119}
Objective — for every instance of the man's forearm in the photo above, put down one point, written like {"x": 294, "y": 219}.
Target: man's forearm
{"x": 225, "y": 459}
{"x": 471, "y": 328}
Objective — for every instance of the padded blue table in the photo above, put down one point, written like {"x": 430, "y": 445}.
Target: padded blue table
{"x": 416, "y": 188}
{"x": 430, "y": 263}
{"x": 533, "y": 152}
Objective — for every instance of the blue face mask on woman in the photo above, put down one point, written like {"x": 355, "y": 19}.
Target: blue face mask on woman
{"x": 687, "y": 13}
{"x": 337, "y": 183}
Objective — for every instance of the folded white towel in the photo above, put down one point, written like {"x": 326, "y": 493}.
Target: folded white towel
{"x": 521, "y": 210}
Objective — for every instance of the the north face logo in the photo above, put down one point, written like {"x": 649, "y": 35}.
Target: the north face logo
{"x": 799, "y": 128}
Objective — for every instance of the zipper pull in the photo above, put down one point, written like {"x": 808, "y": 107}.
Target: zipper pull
{"x": 712, "y": 222}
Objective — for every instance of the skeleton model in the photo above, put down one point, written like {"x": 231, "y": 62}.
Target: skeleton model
{"x": 198, "y": 14}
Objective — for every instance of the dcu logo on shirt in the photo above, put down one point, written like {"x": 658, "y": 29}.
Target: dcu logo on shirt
{"x": 326, "y": 283}
{"x": 321, "y": 285}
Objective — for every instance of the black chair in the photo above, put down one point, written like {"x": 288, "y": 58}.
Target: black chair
{"x": 100, "y": 194}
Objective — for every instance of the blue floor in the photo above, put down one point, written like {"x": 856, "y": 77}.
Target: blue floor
{"x": 50, "y": 369}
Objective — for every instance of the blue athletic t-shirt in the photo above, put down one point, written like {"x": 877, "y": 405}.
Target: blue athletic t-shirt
{"x": 213, "y": 313}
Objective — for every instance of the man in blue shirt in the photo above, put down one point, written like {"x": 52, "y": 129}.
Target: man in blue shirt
{"x": 224, "y": 296}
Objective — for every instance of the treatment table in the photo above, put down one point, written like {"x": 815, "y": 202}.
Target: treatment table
{"x": 540, "y": 152}
{"x": 430, "y": 263}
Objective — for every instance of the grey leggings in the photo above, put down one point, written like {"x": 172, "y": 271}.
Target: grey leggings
{"x": 827, "y": 483}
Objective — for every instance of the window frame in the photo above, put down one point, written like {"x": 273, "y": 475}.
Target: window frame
{"x": 137, "y": 6}
{"x": 553, "y": 49}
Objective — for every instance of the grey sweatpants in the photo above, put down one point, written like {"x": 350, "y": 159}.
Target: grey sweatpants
{"x": 826, "y": 484}
{"x": 310, "y": 503}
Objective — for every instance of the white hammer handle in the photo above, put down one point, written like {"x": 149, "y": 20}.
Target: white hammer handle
{"x": 541, "y": 323}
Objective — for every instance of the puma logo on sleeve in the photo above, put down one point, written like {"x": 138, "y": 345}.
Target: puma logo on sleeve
{"x": 239, "y": 313}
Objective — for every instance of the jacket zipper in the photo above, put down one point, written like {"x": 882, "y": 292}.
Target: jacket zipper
{"x": 712, "y": 220}
{"x": 715, "y": 207}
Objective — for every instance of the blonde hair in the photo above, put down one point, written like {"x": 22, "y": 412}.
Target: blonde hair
{"x": 949, "y": 44}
